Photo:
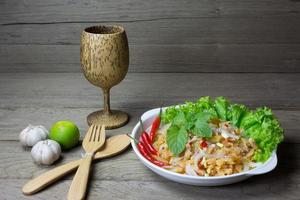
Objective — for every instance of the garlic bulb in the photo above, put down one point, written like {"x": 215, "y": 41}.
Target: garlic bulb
{"x": 33, "y": 134}
{"x": 45, "y": 152}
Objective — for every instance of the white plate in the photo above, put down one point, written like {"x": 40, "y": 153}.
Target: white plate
{"x": 148, "y": 118}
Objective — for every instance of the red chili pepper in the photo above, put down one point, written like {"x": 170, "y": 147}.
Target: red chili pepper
{"x": 146, "y": 154}
{"x": 203, "y": 144}
{"x": 147, "y": 143}
{"x": 155, "y": 126}
{"x": 146, "y": 140}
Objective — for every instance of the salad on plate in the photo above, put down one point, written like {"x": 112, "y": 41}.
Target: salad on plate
{"x": 211, "y": 138}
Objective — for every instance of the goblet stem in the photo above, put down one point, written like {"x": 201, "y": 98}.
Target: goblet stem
{"x": 106, "y": 95}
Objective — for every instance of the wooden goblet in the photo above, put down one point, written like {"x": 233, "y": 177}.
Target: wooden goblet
{"x": 104, "y": 58}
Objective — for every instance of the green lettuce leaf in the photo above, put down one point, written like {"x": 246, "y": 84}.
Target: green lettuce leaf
{"x": 221, "y": 106}
{"x": 248, "y": 120}
{"x": 205, "y": 104}
{"x": 169, "y": 114}
{"x": 236, "y": 113}
{"x": 265, "y": 130}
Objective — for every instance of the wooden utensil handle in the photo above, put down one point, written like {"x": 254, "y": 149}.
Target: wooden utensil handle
{"x": 49, "y": 177}
{"x": 79, "y": 183}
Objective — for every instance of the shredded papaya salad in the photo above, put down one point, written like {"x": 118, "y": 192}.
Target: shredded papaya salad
{"x": 211, "y": 138}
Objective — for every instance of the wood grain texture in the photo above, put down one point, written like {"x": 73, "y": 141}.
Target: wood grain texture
{"x": 113, "y": 168}
{"x": 34, "y": 11}
{"x": 180, "y": 50}
{"x": 278, "y": 91}
{"x": 254, "y": 188}
{"x": 13, "y": 85}
{"x": 220, "y": 30}
{"x": 167, "y": 32}
{"x": 110, "y": 180}
{"x": 160, "y": 58}
{"x": 104, "y": 58}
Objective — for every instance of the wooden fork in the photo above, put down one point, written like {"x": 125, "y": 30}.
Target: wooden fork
{"x": 92, "y": 142}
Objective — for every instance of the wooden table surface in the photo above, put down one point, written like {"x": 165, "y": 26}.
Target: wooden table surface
{"x": 247, "y": 51}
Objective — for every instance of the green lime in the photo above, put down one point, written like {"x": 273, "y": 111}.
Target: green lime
{"x": 66, "y": 133}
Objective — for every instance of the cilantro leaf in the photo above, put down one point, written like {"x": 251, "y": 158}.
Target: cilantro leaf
{"x": 176, "y": 139}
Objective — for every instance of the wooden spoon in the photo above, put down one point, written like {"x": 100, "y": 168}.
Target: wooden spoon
{"x": 113, "y": 146}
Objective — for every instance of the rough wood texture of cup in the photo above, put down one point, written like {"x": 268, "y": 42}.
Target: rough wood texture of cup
{"x": 104, "y": 57}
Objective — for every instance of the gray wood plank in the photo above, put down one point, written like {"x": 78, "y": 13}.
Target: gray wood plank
{"x": 160, "y": 58}
{"x": 276, "y": 185}
{"x": 166, "y": 36}
{"x": 13, "y": 120}
{"x": 139, "y": 90}
{"x": 214, "y": 31}
{"x": 108, "y": 169}
{"x": 33, "y": 11}
{"x": 57, "y": 11}
{"x": 283, "y": 30}
{"x": 17, "y": 164}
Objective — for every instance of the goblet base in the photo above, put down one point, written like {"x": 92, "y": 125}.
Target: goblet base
{"x": 111, "y": 121}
